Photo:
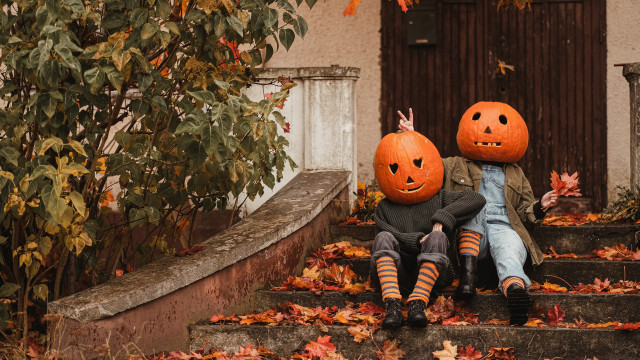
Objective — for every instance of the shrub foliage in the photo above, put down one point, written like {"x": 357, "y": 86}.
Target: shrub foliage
{"x": 142, "y": 99}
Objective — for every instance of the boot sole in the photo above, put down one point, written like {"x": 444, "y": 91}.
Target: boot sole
{"x": 519, "y": 303}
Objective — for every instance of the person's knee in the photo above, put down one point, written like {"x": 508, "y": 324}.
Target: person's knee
{"x": 436, "y": 242}
{"x": 385, "y": 241}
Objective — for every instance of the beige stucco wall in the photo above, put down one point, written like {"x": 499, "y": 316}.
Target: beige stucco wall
{"x": 623, "y": 45}
{"x": 354, "y": 41}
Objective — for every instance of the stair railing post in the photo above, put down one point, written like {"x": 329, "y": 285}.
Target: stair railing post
{"x": 632, "y": 73}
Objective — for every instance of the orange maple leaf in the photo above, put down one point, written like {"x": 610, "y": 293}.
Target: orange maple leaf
{"x": 501, "y": 353}
{"x": 566, "y": 184}
{"x": 351, "y": 9}
{"x": 627, "y": 326}
{"x": 321, "y": 347}
{"x": 448, "y": 353}
{"x": 359, "y": 332}
{"x": 469, "y": 353}
{"x": 555, "y": 315}
{"x": 390, "y": 351}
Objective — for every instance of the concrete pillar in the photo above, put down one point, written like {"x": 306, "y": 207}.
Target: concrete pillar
{"x": 321, "y": 111}
{"x": 632, "y": 73}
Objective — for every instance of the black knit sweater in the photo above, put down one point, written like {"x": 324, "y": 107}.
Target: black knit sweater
{"x": 410, "y": 223}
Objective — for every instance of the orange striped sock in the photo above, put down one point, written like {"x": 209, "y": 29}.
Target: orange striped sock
{"x": 388, "y": 275}
{"x": 469, "y": 242}
{"x": 510, "y": 281}
{"x": 426, "y": 278}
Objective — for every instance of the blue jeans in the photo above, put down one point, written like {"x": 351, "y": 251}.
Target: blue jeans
{"x": 498, "y": 237}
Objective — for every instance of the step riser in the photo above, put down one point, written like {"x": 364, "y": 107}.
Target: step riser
{"x": 530, "y": 343}
{"x": 594, "y": 308}
{"x": 564, "y": 239}
{"x": 573, "y": 271}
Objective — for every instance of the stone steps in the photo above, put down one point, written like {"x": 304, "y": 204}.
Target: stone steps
{"x": 529, "y": 343}
{"x": 558, "y": 342}
{"x": 564, "y": 239}
{"x": 593, "y": 308}
{"x": 572, "y": 271}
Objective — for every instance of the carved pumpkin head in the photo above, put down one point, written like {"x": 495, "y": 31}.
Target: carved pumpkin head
{"x": 492, "y": 131}
{"x": 408, "y": 168}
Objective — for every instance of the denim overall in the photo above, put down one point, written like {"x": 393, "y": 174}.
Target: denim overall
{"x": 498, "y": 238}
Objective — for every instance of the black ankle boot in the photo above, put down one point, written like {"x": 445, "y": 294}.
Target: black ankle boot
{"x": 416, "y": 316}
{"x": 468, "y": 277}
{"x": 519, "y": 303}
{"x": 393, "y": 317}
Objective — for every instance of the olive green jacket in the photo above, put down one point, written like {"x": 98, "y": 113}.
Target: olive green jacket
{"x": 464, "y": 174}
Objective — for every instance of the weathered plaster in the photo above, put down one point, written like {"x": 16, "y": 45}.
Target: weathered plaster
{"x": 623, "y": 31}
{"x": 352, "y": 41}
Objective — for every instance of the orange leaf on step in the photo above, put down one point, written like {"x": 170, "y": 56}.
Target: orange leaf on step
{"x": 321, "y": 347}
{"x": 628, "y": 326}
{"x": 469, "y": 353}
{"x": 359, "y": 332}
{"x": 448, "y": 353}
{"x": 555, "y": 315}
{"x": 390, "y": 351}
{"x": 501, "y": 353}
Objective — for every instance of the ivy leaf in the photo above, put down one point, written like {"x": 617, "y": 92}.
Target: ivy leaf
{"x": 77, "y": 201}
{"x": 10, "y": 154}
{"x": 53, "y": 204}
{"x": 204, "y": 96}
{"x": 149, "y": 30}
{"x": 41, "y": 291}
{"x": 75, "y": 145}
{"x": 301, "y": 27}
{"x": 8, "y": 289}
{"x": 286, "y": 37}
{"x": 236, "y": 24}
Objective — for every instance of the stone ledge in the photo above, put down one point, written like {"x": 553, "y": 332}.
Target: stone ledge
{"x": 309, "y": 72}
{"x": 287, "y": 211}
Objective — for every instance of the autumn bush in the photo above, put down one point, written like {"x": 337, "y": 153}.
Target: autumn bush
{"x": 136, "y": 102}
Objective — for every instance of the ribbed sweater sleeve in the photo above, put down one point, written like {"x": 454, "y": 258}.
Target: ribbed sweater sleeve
{"x": 458, "y": 207}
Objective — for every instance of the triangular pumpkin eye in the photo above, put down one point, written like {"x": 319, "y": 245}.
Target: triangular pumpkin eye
{"x": 393, "y": 167}
{"x": 418, "y": 163}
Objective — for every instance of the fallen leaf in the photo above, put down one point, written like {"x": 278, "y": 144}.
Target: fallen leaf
{"x": 555, "y": 315}
{"x": 501, "y": 353}
{"x": 448, "y": 353}
{"x": 469, "y": 353}
{"x": 628, "y": 326}
{"x": 359, "y": 332}
{"x": 390, "y": 351}
{"x": 321, "y": 347}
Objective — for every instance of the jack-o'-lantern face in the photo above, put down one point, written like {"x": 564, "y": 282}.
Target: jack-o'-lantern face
{"x": 408, "y": 168}
{"x": 492, "y": 131}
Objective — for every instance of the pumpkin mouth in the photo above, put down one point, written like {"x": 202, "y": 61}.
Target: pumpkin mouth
{"x": 407, "y": 191}
{"x": 489, "y": 144}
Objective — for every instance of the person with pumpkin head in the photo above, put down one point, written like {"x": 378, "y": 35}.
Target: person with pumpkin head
{"x": 409, "y": 253}
{"x": 492, "y": 137}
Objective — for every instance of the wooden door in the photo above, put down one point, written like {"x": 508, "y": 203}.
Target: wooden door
{"x": 558, "y": 51}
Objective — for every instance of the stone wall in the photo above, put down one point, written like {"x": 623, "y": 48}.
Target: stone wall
{"x": 150, "y": 309}
{"x": 623, "y": 31}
